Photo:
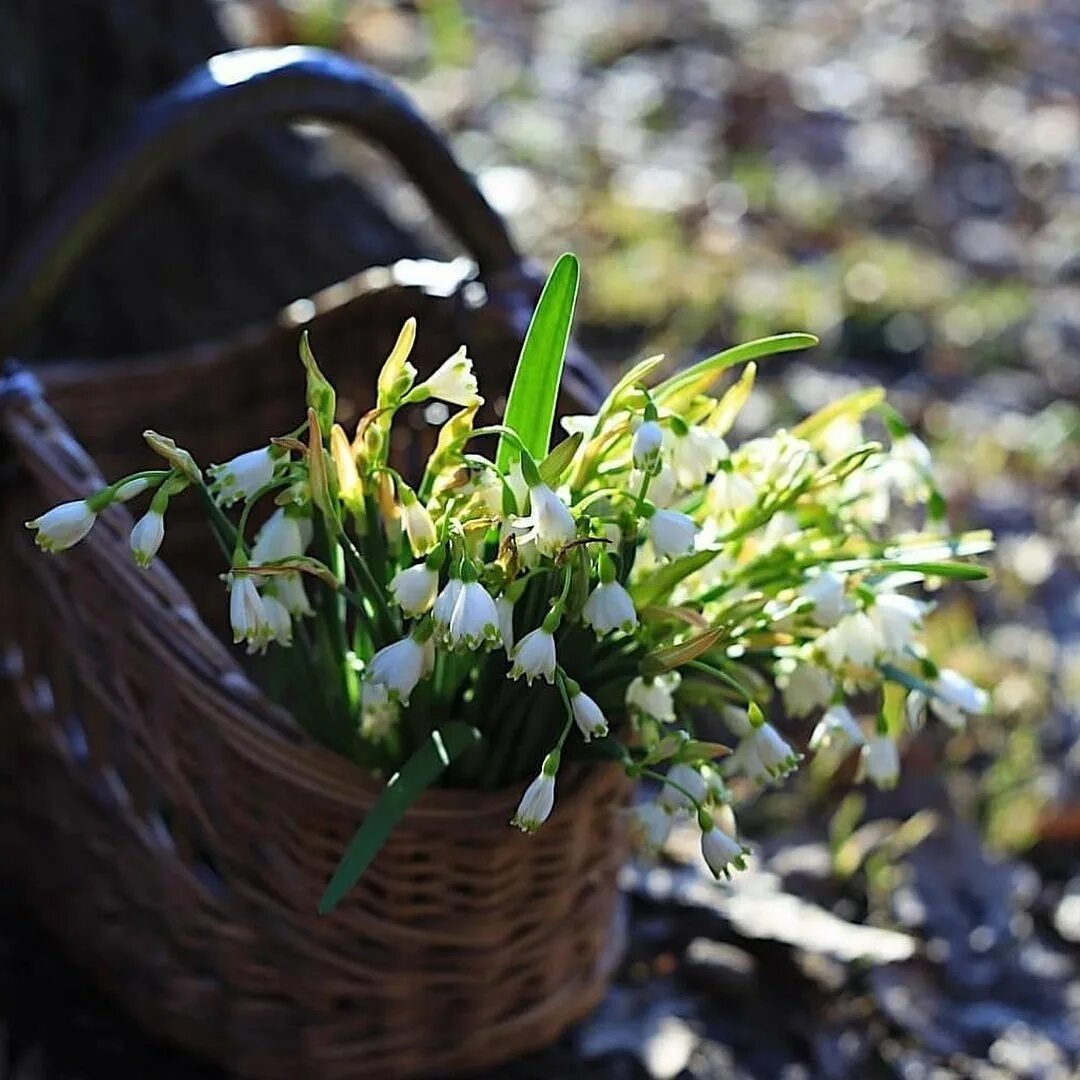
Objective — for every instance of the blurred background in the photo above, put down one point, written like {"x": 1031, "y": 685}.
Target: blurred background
{"x": 902, "y": 179}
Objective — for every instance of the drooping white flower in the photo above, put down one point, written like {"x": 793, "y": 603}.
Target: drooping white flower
{"x": 549, "y": 523}
{"x": 852, "y": 639}
{"x": 278, "y": 621}
{"x": 399, "y": 667}
{"x": 654, "y": 697}
{"x": 147, "y": 535}
{"x": 682, "y": 776}
{"x": 505, "y": 608}
{"x": 721, "y": 852}
{"x": 730, "y": 492}
{"x": 880, "y": 761}
{"x": 746, "y": 760}
{"x": 281, "y": 537}
{"x": 453, "y": 380}
{"x": 378, "y": 713}
{"x": 695, "y": 455}
{"x": 773, "y": 751}
{"x": 663, "y": 486}
{"x": 537, "y": 802}
{"x": 837, "y": 730}
{"x": 474, "y": 621}
{"x": 246, "y": 613}
{"x": 419, "y": 527}
{"x": 244, "y": 475}
{"x": 915, "y": 709}
{"x": 650, "y": 826}
{"x": 63, "y": 526}
{"x": 908, "y": 468}
{"x": 672, "y": 533}
{"x": 413, "y": 589}
{"x": 131, "y": 489}
{"x": 646, "y": 446}
{"x": 588, "y": 716}
{"x": 580, "y": 422}
{"x": 826, "y": 592}
{"x": 608, "y": 608}
{"x": 957, "y": 697}
{"x": 806, "y": 688}
{"x": 289, "y": 589}
{"x": 443, "y": 610}
{"x": 534, "y": 656}
{"x": 895, "y": 618}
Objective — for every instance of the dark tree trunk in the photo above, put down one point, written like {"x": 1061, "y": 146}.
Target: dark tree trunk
{"x": 253, "y": 224}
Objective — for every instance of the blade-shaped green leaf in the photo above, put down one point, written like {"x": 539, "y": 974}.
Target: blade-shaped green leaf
{"x": 680, "y": 389}
{"x": 853, "y": 405}
{"x": 560, "y": 459}
{"x": 416, "y": 776}
{"x": 730, "y": 405}
{"x": 530, "y": 408}
{"x": 951, "y": 570}
{"x": 673, "y": 656}
{"x": 637, "y": 374}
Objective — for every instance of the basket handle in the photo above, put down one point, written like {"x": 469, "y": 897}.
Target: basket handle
{"x": 226, "y": 94}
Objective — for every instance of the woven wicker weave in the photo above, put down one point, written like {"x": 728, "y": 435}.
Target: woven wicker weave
{"x": 177, "y": 829}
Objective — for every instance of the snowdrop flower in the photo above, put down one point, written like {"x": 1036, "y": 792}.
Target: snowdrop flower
{"x": 852, "y": 639}
{"x": 445, "y": 603}
{"x": 589, "y": 718}
{"x": 654, "y": 697}
{"x": 247, "y": 616}
{"x": 672, "y": 533}
{"x": 895, "y": 618}
{"x": 533, "y": 656}
{"x": 805, "y": 689}
{"x": 826, "y": 592}
{"x": 773, "y": 751}
{"x": 745, "y": 760}
{"x": 378, "y": 713}
{"x": 695, "y": 453}
{"x": 63, "y": 526}
{"x": 550, "y": 523}
{"x": 608, "y": 608}
{"x": 672, "y": 799}
{"x": 244, "y": 475}
{"x": 650, "y": 826}
{"x": 720, "y": 851}
{"x": 419, "y": 527}
{"x": 453, "y": 381}
{"x": 581, "y": 422}
{"x": 836, "y": 730}
{"x": 413, "y": 589}
{"x": 278, "y": 622}
{"x": 539, "y": 798}
{"x": 956, "y": 698}
{"x": 880, "y": 762}
{"x": 281, "y": 537}
{"x": 730, "y": 492}
{"x": 399, "y": 667}
{"x": 662, "y": 485}
{"x": 646, "y": 446}
{"x": 504, "y": 606}
{"x": 147, "y": 535}
{"x": 474, "y": 621}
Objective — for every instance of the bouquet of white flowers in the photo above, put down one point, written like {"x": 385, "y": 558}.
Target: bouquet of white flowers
{"x": 505, "y": 612}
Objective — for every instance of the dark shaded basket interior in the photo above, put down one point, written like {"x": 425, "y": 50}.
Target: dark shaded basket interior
{"x": 176, "y": 829}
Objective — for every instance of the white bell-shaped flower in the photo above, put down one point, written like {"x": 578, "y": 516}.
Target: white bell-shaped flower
{"x": 474, "y": 621}
{"x": 721, "y": 852}
{"x": 685, "y": 789}
{"x": 63, "y": 526}
{"x": 289, "y": 589}
{"x": 837, "y": 730}
{"x": 281, "y": 537}
{"x": 378, "y": 713}
{"x": 453, "y": 380}
{"x": 826, "y": 592}
{"x": 773, "y": 751}
{"x": 246, "y": 613}
{"x": 539, "y": 799}
{"x": 806, "y": 688}
{"x": 443, "y": 610}
{"x": 731, "y": 492}
{"x": 672, "y": 533}
{"x": 588, "y": 716}
{"x": 279, "y": 628}
{"x": 147, "y": 535}
{"x": 399, "y": 667}
{"x": 896, "y": 619}
{"x": 654, "y": 697}
{"x": 549, "y": 523}
{"x": 413, "y": 589}
{"x": 505, "y": 608}
{"x": 244, "y": 475}
{"x": 957, "y": 698}
{"x": 419, "y": 527}
{"x": 853, "y": 639}
{"x": 650, "y": 826}
{"x": 695, "y": 456}
{"x": 534, "y": 657}
{"x": 609, "y": 607}
{"x": 646, "y": 446}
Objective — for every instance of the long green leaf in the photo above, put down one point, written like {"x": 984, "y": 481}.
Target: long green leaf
{"x": 684, "y": 386}
{"x": 530, "y": 408}
{"x": 660, "y": 581}
{"x": 416, "y": 776}
{"x": 853, "y": 405}
{"x": 560, "y": 459}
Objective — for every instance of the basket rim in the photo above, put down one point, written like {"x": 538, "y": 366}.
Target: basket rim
{"x": 169, "y": 627}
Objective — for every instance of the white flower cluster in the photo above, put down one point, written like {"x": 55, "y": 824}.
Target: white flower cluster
{"x": 643, "y": 569}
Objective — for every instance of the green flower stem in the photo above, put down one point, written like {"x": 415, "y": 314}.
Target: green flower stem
{"x": 387, "y": 628}
{"x": 652, "y": 774}
{"x": 724, "y": 677}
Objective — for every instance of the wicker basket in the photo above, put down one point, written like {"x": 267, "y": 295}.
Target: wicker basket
{"x": 174, "y": 826}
